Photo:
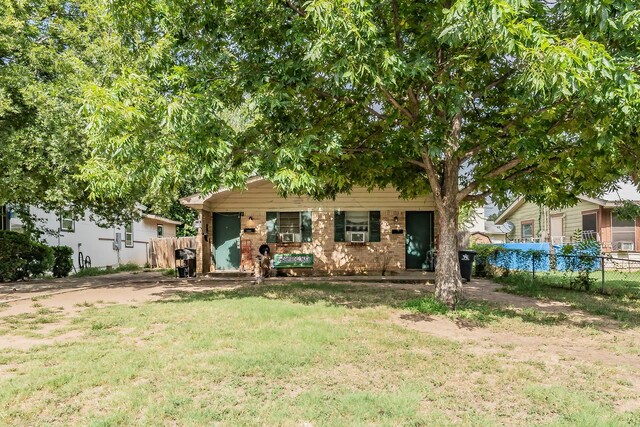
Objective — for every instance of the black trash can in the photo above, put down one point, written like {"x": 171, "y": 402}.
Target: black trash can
{"x": 466, "y": 258}
{"x": 182, "y": 272}
{"x": 185, "y": 260}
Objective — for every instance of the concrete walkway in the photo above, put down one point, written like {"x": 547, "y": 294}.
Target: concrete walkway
{"x": 16, "y": 291}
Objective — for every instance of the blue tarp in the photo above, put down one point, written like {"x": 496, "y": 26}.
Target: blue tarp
{"x": 524, "y": 261}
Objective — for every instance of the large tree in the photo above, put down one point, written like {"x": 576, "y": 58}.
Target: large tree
{"x": 450, "y": 98}
{"x": 49, "y": 50}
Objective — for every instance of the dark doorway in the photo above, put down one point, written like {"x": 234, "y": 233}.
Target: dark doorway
{"x": 226, "y": 240}
{"x": 419, "y": 241}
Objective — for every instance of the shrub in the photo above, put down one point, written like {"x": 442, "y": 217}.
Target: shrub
{"x": 484, "y": 255}
{"x": 63, "y": 263}
{"x": 20, "y": 257}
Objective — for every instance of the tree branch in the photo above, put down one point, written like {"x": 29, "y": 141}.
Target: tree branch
{"x": 297, "y": 9}
{"x": 472, "y": 152}
{"x": 493, "y": 174}
{"x": 351, "y": 101}
{"x": 477, "y": 197}
{"x": 495, "y": 83}
{"x": 533, "y": 113}
{"x": 396, "y": 104}
{"x": 396, "y": 23}
{"x": 434, "y": 181}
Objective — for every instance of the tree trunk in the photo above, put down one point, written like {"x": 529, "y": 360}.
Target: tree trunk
{"x": 448, "y": 280}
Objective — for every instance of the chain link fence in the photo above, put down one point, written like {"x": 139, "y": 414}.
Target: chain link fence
{"x": 582, "y": 272}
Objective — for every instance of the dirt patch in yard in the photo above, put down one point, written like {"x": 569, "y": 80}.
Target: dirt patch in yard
{"x": 18, "y": 342}
{"x": 551, "y": 348}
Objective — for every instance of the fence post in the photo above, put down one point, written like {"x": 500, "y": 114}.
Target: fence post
{"x": 533, "y": 265}
{"x": 602, "y": 269}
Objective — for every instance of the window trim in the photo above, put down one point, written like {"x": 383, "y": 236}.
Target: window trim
{"x": 533, "y": 229}
{"x": 161, "y": 228}
{"x": 71, "y": 229}
{"x": 127, "y": 245}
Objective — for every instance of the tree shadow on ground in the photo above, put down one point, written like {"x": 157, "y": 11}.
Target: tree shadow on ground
{"x": 420, "y": 302}
{"x": 342, "y": 295}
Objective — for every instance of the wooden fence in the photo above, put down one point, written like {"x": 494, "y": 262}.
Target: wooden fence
{"x": 162, "y": 250}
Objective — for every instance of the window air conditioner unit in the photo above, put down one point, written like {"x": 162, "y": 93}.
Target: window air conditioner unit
{"x": 358, "y": 237}
{"x": 626, "y": 246}
{"x": 287, "y": 237}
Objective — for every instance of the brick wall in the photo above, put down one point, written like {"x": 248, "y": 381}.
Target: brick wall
{"x": 340, "y": 257}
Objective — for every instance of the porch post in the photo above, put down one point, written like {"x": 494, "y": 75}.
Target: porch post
{"x": 203, "y": 242}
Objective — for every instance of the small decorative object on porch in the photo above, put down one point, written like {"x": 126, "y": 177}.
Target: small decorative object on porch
{"x": 245, "y": 255}
{"x": 263, "y": 263}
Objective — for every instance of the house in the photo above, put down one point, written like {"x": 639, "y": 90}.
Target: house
{"x": 364, "y": 231}
{"x": 87, "y": 237}
{"x": 595, "y": 218}
{"x": 490, "y": 233}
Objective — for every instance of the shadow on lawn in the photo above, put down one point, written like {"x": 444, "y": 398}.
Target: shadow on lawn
{"x": 420, "y": 302}
{"x": 343, "y": 295}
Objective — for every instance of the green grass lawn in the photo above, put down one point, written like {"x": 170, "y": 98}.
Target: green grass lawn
{"x": 622, "y": 305}
{"x": 291, "y": 355}
{"x": 615, "y": 282}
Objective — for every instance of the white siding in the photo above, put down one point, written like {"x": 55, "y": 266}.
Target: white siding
{"x": 97, "y": 242}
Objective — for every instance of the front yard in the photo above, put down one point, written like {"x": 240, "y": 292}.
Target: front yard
{"x": 315, "y": 354}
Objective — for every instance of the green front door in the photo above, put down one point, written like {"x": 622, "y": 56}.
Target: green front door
{"x": 419, "y": 241}
{"x": 226, "y": 240}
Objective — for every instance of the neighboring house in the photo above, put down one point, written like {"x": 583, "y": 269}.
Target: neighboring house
{"x": 491, "y": 233}
{"x": 594, "y": 217}
{"x": 483, "y": 231}
{"x": 358, "y": 232}
{"x": 94, "y": 241}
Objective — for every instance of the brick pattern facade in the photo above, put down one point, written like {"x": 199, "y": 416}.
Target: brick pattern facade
{"x": 330, "y": 257}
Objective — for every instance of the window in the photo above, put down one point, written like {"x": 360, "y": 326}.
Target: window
{"x": 289, "y": 227}
{"x": 160, "y": 230}
{"x": 590, "y": 226}
{"x": 526, "y": 230}
{"x": 67, "y": 224}
{"x": 623, "y": 234}
{"x": 356, "y": 226}
{"x": 128, "y": 235}
{"x": 289, "y": 223}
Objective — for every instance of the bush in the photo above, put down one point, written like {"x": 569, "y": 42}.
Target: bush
{"x": 63, "y": 263}
{"x": 20, "y": 257}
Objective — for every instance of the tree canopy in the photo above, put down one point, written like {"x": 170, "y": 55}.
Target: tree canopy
{"x": 457, "y": 99}
{"x": 49, "y": 51}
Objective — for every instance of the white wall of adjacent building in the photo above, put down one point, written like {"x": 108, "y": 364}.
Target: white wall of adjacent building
{"x": 97, "y": 242}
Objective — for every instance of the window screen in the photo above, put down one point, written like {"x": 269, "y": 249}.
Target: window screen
{"x": 290, "y": 222}
{"x": 623, "y": 233}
